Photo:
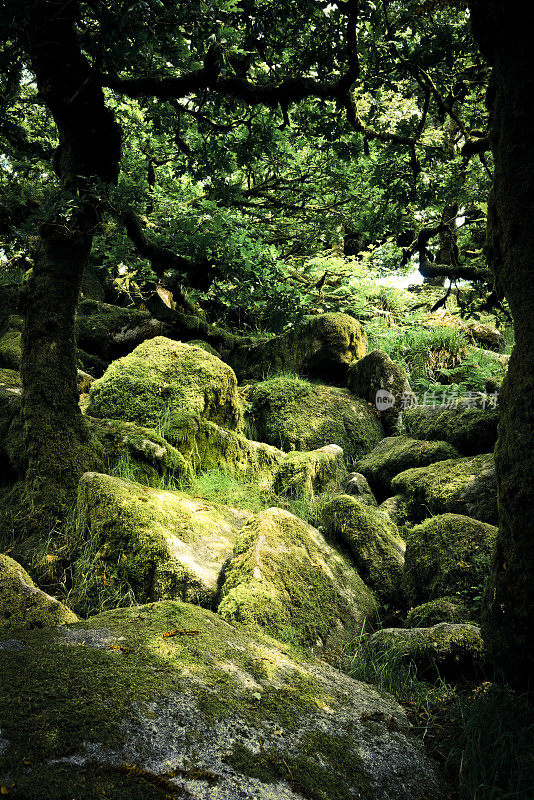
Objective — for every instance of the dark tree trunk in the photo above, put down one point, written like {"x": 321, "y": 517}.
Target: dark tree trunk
{"x": 504, "y": 30}
{"x": 59, "y": 447}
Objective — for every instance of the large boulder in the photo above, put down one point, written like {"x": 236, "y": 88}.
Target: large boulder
{"x": 136, "y": 544}
{"x": 458, "y": 486}
{"x": 453, "y": 651}
{"x": 381, "y": 382}
{"x": 162, "y": 381}
{"x": 23, "y": 605}
{"x": 395, "y": 454}
{"x": 447, "y": 554}
{"x": 321, "y": 347}
{"x": 372, "y": 540}
{"x": 169, "y": 700}
{"x": 292, "y": 414}
{"x": 472, "y": 430}
{"x": 286, "y": 580}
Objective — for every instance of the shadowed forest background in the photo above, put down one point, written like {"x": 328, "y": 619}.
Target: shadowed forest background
{"x": 266, "y": 449}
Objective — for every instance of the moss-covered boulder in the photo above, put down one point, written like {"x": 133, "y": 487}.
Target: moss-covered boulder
{"x": 443, "y": 609}
{"x": 137, "y": 544}
{"x": 458, "y": 486}
{"x": 395, "y": 508}
{"x": 286, "y": 580}
{"x": 447, "y": 554}
{"x": 10, "y": 343}
{"x": 395, "y": 454}
{"x": 373, "y": 541}
{"x": 381, "y": 382}
{"x": 470, "y": 429}
{"x": 170, "y": 700}
{"x": 162, "y": 381}
{"x": 106, "y": 331}
{"x": 309, "y": 473}
{"x": 320, "y": 347}
{"x": 140, "y": 454}
{"x": 357, "y": 485}
{"x": 23, "y": 605}
{"x": 454, "y": 651}
{"x": 293, "y": 414}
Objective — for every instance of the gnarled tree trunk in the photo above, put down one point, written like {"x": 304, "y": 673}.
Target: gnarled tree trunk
{"x": 504, "y": 29}
{"x": 59, "y": 447}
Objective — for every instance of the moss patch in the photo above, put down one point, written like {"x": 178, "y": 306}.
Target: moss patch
{"x": 296, "y": 415}
{"x": 373, "y": 541}
{"x": 471, "y": 430}
{"x": 448, "y": 554}
{"x": 444, "y": 609}
{"x": 305, "y": 474}
{"x": 135, "y": 544}
{"x": 464, "y": 486}
{"x": 285, "y": 580}
{"x": 161, "y": 381}
{"x": 396, "y": 454}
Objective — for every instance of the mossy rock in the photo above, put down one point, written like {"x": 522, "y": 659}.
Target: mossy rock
{"x": 23, "y": 605}
{"x": 10, "y": 344}
{"x": 302, "y": 475}
{"x": 137, "y": 544}
{"x": 204, "y": 346}
{"x": 381, "y": 382}
{"x": 357, "y": 486}
{"x": 443, "y": 609}
{"x": 395, "y": 454}
{"x": 162, "y": 381}
{"x": 207, "y": 446}
{"x": 293, "y": 414}
{"x": 471, "y": 430}
{"x": 287, "y": 581}
{"x": 464, "y": 486}
{"x": 168, "y": 699}
{"x": 98, "y": 325}
{"x": 444, "y": 650}
{"x": 447, "y": 554}
{"x": 321, "y": 347}
{"x": 147, "y": 457}
{"x": 373, "y": 542}
{"x": 395, "y": 508}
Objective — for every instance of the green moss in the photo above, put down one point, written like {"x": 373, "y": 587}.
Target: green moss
{"x": 448, "y": 554}
{"x": 471, "y": 430}
{"x": 11, "y": 349}
{"x": 304, "y": 474}
{"x": 464, "y": 486}
{"x": 204, "y": 346}
{"x": 22, "y": 605}
{"x": 444, "y": 609}
{"x": 296, "y": 415}
{"x": 162, "y": 378}
{"x": 286, "y": 581}
{"x": 373, "y": 541}
{"x": 135, "y": 544}
{"x": 396, "y": 454}
{"x": 10, "y": 377}
{"x": 315, "y": 777}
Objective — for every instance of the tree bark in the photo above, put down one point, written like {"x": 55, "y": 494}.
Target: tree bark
{"x": 504, "y": 31}
{"x": 59, "y": 446}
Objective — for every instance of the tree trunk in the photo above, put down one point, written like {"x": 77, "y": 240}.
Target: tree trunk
{"x": 504, "y": 31}
{"x": 59, "y": 446}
